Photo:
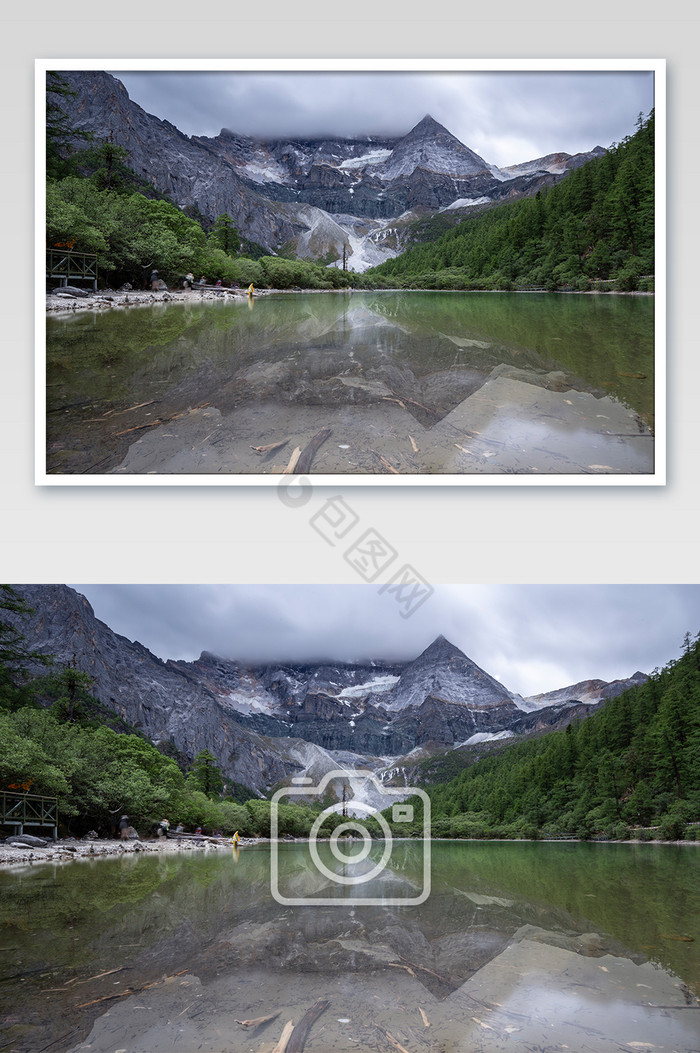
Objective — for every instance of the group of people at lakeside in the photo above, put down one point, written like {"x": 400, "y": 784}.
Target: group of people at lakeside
{"x": 128, "y": 833}
{"x": 189, "y": 282}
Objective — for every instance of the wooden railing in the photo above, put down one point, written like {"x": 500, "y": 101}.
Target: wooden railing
{"x": 28, "y": 809}
{"x": 66, "y": 266}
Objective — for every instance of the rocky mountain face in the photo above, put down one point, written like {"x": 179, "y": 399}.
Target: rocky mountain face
{"x": 173, "y": 163}
{"x": 317, "y": 195}
{"x": 264, "y": 724}
{"x": 587, "y": 691}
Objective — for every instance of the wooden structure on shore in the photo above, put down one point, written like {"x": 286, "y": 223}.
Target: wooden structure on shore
{"x": 66, "y": 266}
{"x": 28, "y": 809}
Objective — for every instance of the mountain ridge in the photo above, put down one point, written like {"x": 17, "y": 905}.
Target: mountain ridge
{"x": 268, "y": 187}
{"x": 258, "y": 721}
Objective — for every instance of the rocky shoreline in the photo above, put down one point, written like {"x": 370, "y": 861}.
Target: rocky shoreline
{"x": 104, "y": 300}
{"x": 67, "y": 849}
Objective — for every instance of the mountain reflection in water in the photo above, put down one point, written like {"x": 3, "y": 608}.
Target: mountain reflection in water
{"x": 430, "y": 382}
{"x": 549, "y": 945}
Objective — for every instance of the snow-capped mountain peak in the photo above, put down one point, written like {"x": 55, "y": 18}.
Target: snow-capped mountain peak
{"x": 429, "y": 145}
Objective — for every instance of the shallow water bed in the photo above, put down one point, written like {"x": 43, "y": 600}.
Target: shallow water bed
{"x": 405, "y": 383}
{"x": 543, "y": 946}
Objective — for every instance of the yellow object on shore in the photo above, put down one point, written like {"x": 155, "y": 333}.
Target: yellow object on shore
{"x": 235, "y": 839}
{"x": 251, "y": 290}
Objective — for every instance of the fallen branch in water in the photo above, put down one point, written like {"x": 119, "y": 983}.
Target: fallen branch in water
{"x": 390, "y": 1038}
{"x": 653, "y": 1005}
{"x": 420, "y": 405}
{"x": 423, "y": 969}
{"x": 270, "y": 446}
{"x": 107, "y": 998}
{"x": 389, "y": 467}
{"x": 118, "y": 413}
{"x": 76, "y": 981}
{"x": 259, "y": 1020}
{"x": 304, "y": 462}
{"x": 296, "y": 454}
{"x": 57, "y": 1040}
{"x": 97, "y": 464}
{"x": 161, "y": 420}
{"x": 284, "y": 1037}
{"x": 130, "y": 990}
{"x": 301, "y": 1031}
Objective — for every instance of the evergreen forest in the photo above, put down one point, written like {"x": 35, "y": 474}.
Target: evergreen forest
{"x": 631, "y": 768}
{"x": 596, "y": 226}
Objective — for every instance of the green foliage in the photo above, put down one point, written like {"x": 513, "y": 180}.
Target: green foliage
{"x": 224, "y": 235}
{"x": 597, "y": 223}
{"x": 672, "y": 827}
{"x": 130, "y": 232}
{"x": 24, "y": 760}
{"x": 280, "y": 273}
{"x": 108, "y": 160}
{"x": 70, "y": 690}
{"x": 205, "y": 775}
{"x": 632, "y": 763}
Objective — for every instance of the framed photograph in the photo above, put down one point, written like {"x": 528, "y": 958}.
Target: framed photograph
{"x": 366, "y": 272}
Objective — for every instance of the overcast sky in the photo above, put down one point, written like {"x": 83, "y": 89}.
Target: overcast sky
{"x": 531, "y": 638}
{"x": 506, "y": 117}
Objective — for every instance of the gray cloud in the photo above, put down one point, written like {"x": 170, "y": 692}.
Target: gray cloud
{"x": 506, "y": 117}
{"x": 532, "y": 638}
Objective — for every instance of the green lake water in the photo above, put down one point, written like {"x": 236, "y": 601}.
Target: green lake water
{"x": 521, "y": 946}
{"x": 421, "y": 383}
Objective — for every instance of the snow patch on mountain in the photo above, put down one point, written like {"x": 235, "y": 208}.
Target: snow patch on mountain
{"x": 322, "y": 234}
{"x": 374, "y": 157}
{"x": 466, "y": 202}
{"x": 366, "y": 242}
{"x": 555, "y": 164}
{"x": 250, "y": 701}
{"x": 590, "y": 692}
{"x": 380, "y": 683}
{"x": 485, "y": 736}
{"x": 500, "y": 174}
{"x": 264, "y": 170}
{"x": 365, "y": 253}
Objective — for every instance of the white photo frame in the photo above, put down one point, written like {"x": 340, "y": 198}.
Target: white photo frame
{"x": 655, "y": 477}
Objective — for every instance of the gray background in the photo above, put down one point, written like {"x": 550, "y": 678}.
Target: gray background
{"x": 243, "y": 534}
